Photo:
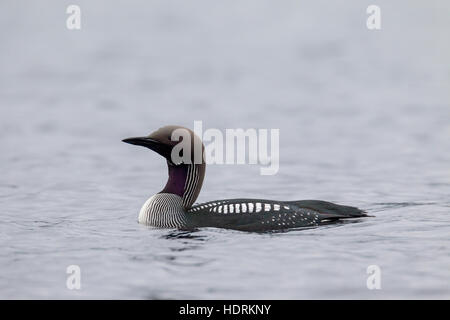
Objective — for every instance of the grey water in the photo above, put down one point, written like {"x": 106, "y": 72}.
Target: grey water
{"x": 364, "y": 119}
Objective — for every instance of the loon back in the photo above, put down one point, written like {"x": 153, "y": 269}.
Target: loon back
{"x": 173, "y": 206}
{"x": 165, "y": 210}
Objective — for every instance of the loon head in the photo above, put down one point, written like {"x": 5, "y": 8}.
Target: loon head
{"x": 186, "y": 171}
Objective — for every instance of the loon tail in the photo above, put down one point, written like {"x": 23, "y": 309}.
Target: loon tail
{"x": 328, "y": 210}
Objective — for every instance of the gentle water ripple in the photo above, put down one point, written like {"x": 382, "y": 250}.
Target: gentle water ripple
{"x": 363, "y": 121}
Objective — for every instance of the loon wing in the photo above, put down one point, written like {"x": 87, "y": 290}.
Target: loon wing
{"x": 329, "y": 210}
{"x": 262, "y": 215}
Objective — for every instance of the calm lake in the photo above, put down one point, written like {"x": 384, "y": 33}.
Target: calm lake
{"x": 364, "y": 119}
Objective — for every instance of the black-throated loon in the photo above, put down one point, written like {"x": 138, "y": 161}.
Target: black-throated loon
{"x": 173, "y": 206}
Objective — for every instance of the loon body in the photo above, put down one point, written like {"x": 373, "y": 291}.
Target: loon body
{"x": 174, "y": 207}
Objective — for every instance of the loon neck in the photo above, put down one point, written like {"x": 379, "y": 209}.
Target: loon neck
{"x": 177, "y": 180}
{"x": 185, "y": 180}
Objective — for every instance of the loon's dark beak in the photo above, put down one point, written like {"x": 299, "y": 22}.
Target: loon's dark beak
{"x": 155, "y": 145}
{"x": 140, "y": 141}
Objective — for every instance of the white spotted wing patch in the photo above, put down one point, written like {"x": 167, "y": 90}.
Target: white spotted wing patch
{"x": 271, "y": 214}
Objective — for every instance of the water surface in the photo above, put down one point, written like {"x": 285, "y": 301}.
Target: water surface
{"x": 363, "y": 117}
